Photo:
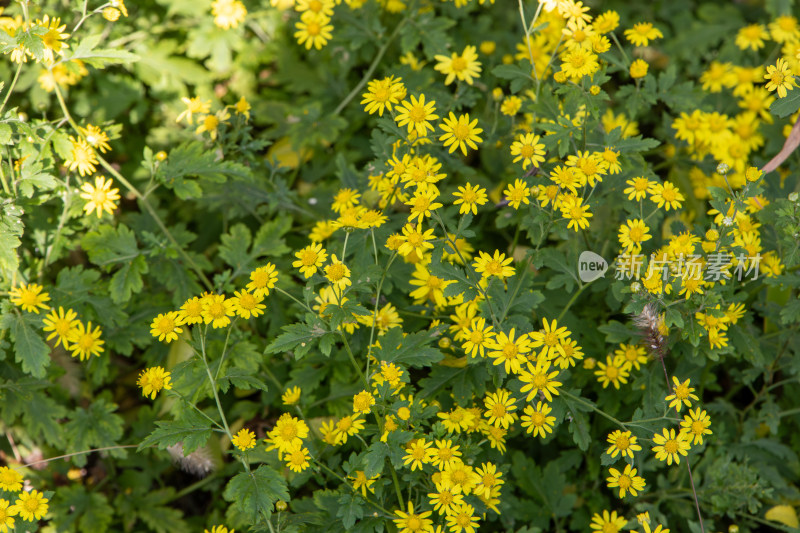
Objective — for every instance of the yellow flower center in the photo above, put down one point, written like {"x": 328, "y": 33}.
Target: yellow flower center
{"x": 461, "y": 131}
{"x": 537, "y": 418}
{"x": 526, "y": 151}
{"x": 510, "y": 351}
{"x": 309, "y": 257}
{"x": 458, "y": 64}
{"x": 417, "y": 114}
{"x": 671, "y": 446}
{"x": 313, "y": 29}
{"x": 622, "y": 442}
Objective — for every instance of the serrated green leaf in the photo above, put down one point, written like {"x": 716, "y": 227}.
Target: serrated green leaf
{"x": 234, "y": 247}
{"x": 108, "y": 245}
{"x": 96, "y": 426}
{"x": 350, "y": 510}
{"x": 30, "y": 350}
{"x": 128, "y": 280}
{"x": 76, "y": 509}
{"x": 411, "y": 350}
{"x": 192, "y": 429}
{"x": 191, "y": 159}
{"x": 375, "y": 458}
{"x": 254, "y": 493}
{"x": 297, "y": 337}
{"x": 241, "y": 379}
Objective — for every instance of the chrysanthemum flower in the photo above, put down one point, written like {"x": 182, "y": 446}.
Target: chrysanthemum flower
{"x": 244, "y": 439}
{"x": 383, "y": 94}
{"x": 478, "y": 338}
{"x": 528, "y": 149}
{"x": 313, "y": 29}
{"x": 96, "y": 137}
{"x": 549, "y": 338}
{"x": 779, "y": 77}
{"x": 639, "y": 69}
{"x": 423, "y": 203}
{"x": 309, "y": 259}
{"x": 166, "y": 326}
{"x": 573, "y": 209}
{"x": 464, "y": 66}
{"x": 669, "y": 446}
{"x": 695, "y": 425}
{"x": 607, "y": 522}
{"x": 632, "y": 233}
{"x": 518, "y": 193}
{"x": 85, "y": 342}
{"x": 681, "y": 394}
{"x": 31, "y": 505}
{"x": 100, "y": 196}
{"x": 262, "y": 279}
{"x": 411, "y": 522}
{"x": 347, "y": 426}
{"x": 416, "y": 115}
{"x": 10, "y": 479}
{"x": 193, "y": 105}
{"x": 462, "y": 519}
{"x": 612, "y": 371}
{"x": 154, "y": 380}
{"x": 418, "y": 453}
{"x": 537, "y": 421}
{"x": 638, "y": 188}
{"x": 363, "y": 402}
{"x": 297, "y": 458}
{"x": 500, "y": 407}
{"x": 642, "y": 33}
{"x": 287, "y": 433}
{"x": 415, "y": 241}
{"x": 247, "y": 304}
{"x": 539, "y": 379}
{"x": 623, "y": 443}
{"x": 666, "y": 195}
{"x": 217, "y": 310}
{"x": 446, "y": 498}
{"x": 29, "y": 297}
{"x": 7, "y": 515}
{"x": 291, "y": 396}
{"x": 509, "y": 351}
{"x": 751, "y": 36}
{"x": 470, "y": 197}
{"x": 460, "y": 133}
{"x": 626, "y": 481}
{"x": 498, "y": 265}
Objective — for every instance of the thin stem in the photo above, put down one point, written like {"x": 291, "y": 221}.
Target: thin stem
{"x": 214, "y": 388}
{"x": 377, "y": 305}
{"x": 224, "y": 349}
{"x": 302, "y": 304}
{"x": 353, "y": 358}
{"x": 572, "y": 301}
{"x": 396, "y": 484}
{"x": 11, "y": 87}
{"x": 593, "y": 408}
{"x": 118, "y": 447}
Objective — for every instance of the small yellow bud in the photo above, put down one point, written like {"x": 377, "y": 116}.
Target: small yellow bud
{"x": 404, "y": 413}
{"x": 161, "y": 156}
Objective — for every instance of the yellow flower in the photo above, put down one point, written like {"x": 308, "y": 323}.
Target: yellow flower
{"x": 751, "y": 36}
{"x": 639, "y": 68}
{"x": 779, "y": 77}
{"x": 528, "y": 149}
{"x": 423, "y": 203}
{"x": 228, "y": 13}
{"x": 288, "y": 433}
{"x": 360, "y": 481}
{"x": 464, "y": 66}
{"x": 642, "y": 33}
{"x": 410, "y": 522}
{"x": 681, "y": 394}
{"x": 470, "y": 197}
{"x": 572, "y": 209}
{"x": 95, "y": 137}
{"x": 608, "y": 522}
{"x": 247, "y": 304}
{"x": 669, "y": 447}
{"x": 309, "y": 259}
{"x": 363, "y": 402}
{"x": 10, "y": 479}
{"x": 638, "y": 188}
{"x": 347, "y": 427}
{"x": 297, "y": 458}
{"x": 242, "y": 107}
{"x": 217, "y": 309}
{"x": 539, "y": 379}
{"x": 612, "y": 371}
{"x": 244, "y": 439}
{"x": 500, "y": 407}
{"x": 262, "y": 279}
{"x": 508, "y": 351}
{"x": 666, "y": 195}
{"x": 166, "y": 326}
{"x": 446, "y": 498}
{"x": 460, "y": 133}
{"x": 696, "y": 424}
{"x": 518, "y": 193}
{"x": 82, "y": 157}
{"x": 221, "y": 529}
{"x": 317, "y": 6}
{"x": 430, "y": 287}
{"x": 100, "y": 196}
{"x": 345, "y": 199}
{"x": 498, "y": 266}
{"x": 29, "y": 297}
{"x": 53, "y": 37}
{"x": 549, "y": 338}
{"x": 418, "y": 453}
{"x": 291, "y": 396}
{"x": 478, "y": 337}
{"x": 511, "y": 105}
{"x": 153, "y": 380}
{"x": 415, "y": 241}
{"x": 313, "y": 30}
{"x": 626, "y": 481}
{"x": 462, "y": 519}
{"x": 623, "y": 443}
{"x": 84, "y": 342}
{"x": 416, "y": 115}
{"x": 632, "y": 234}
{"x": 6, "y": 515}
{"x": 31, "y": 505}
{"x": 193, "y": 105}
{"x": 578, "y": 63}
{"x": 191, "y": 312}
{"x": 383, "y": 94}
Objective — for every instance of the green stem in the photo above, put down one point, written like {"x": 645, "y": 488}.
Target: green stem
{"x": 214, "y": 388}
{"x": 11, "y": 87}
{"x": 593, "y": 408}
{"x": 377, "y": 305}
{"x": 353, "y": 358}
{"x": 396, "y": 486}
{"x": 571, "y": 301}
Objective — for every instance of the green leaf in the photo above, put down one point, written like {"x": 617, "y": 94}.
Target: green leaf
{"x": 241, "y": 379}
{"x": 297, "y": 337}
{"x": 30, "y": 349}
{"x": 350, "y": 510}
{"x": 191, "y": 159}
{"x": 412, "y": 350}
{"x": 617, "y": 332}
{"x": 94, "y": 427}
{"x": 108, "y": 245}
{"x": 11, "y": 229}
{"x": 152, "y": 510}
{"x": 76, "y": 509}
{"x": 233, "y": 248}
{"x": 192, "y": 429}
{"x": 31, "y": 178}
{"x": 269, "y": 241}
{"x": 5, "y": 133}
{"x": 87, "y": 51}
{"x": 127, "y": 280}
{"x": 783, "y": 107}
{"x": 43, "y": 418}
{"x": 254, "y": 493}
{"x": 519, "y": 76}
{"x": 375, "y": 458}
